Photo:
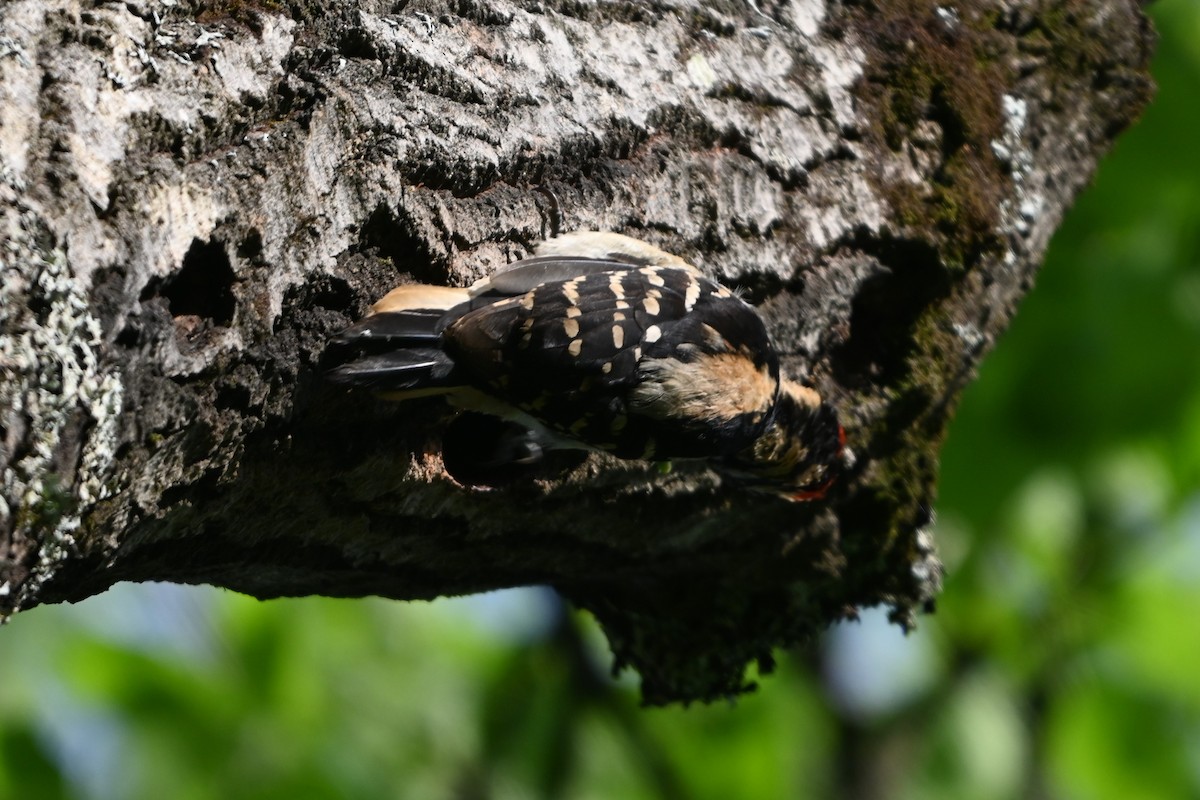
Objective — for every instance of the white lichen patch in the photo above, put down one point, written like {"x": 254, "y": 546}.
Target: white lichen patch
{"x": 54, "y": 386}
{"x": 1017, "y": 216}
{"x": 949, "y": 16}
{"x": 972, "y": 338}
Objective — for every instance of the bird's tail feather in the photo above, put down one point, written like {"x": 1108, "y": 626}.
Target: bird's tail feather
{"x": 391, "y": 351}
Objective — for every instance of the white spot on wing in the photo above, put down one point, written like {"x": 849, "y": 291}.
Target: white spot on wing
{"x": 571, "y": 327}
{"x": 651, "y": 305}
{"x": 691, "y": 295}
{"x": 652, "y": 276}
{"x": 653, "y": 333}
{"x": 618, "y": 336}
{"x": 575, "y": 347}
{"x": 571, "y": 291}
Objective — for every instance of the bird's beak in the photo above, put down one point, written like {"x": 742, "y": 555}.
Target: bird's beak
{"x": 820, "y": 491}
{"x": 810, "y": 494}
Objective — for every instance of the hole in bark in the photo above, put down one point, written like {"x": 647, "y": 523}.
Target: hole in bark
{"x": 479, "y": 450}
{"x": 232, "y": 397}
{"x": 203, "y": 286}
{"x": 130, "y": 336}
{"x": 358, "y": 43}
{"x": 886, "y": 309}
{"x": 486, "y": 451}
{"x": 251, "y": 245}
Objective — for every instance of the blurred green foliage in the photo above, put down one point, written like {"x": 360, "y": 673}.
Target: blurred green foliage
{"x": 1064, "y": 660}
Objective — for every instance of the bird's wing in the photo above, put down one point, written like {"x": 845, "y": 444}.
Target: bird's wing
{"x": 571, "y": 352}
{"x": 558, "y": 332}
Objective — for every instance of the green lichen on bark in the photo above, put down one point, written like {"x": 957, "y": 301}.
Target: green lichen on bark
{"x": 944, "y": 99}
{"x": 929, "y": 65}
{"x": 1076, "y": 41}
{"x": 932, "y": 99}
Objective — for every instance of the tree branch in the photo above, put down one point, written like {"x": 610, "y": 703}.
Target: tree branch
{"x": 196, "y": 196}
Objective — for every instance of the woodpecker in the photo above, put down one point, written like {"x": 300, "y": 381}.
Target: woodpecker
{"x": 603, "y": 342}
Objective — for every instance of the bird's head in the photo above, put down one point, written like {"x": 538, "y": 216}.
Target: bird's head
{"x": 800, "y": 453}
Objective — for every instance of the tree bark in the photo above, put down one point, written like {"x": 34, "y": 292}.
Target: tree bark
{"x": 196, "y": 194}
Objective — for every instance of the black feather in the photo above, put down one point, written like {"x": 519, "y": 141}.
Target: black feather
{"x": 390, "y": 351}
{"x": 393, "y": 328}
{"x": 404, "y": 369}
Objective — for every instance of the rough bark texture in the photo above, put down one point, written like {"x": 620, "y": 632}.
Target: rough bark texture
{"x": 196, "y": 194}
